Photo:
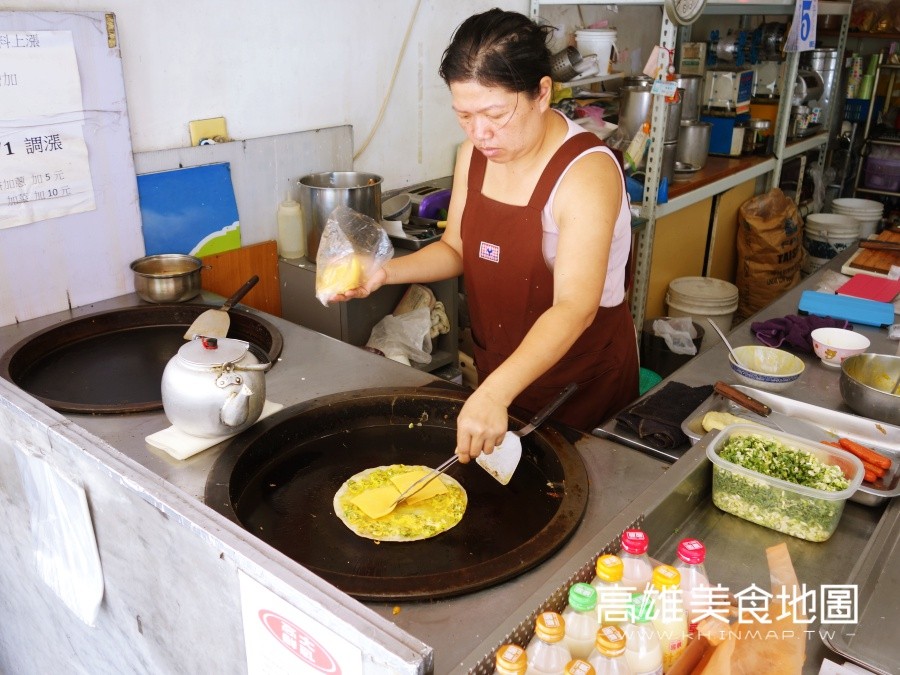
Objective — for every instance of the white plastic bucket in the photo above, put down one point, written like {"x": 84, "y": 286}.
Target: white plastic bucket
{"x": 826, "y": 235}
{"x": 704, "y": 298}
{"x": 599, "y": 41}
{"x": 867, "y": 212}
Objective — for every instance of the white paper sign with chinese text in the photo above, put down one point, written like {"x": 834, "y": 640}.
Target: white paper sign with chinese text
{"x": 44, "y": 166}
{"x": 802, "y": 36}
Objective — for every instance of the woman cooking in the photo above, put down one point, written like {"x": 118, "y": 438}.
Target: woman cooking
{"x": 539, "y": 226}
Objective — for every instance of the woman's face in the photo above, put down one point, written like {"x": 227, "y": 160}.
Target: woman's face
{"x": 500, "y": 123}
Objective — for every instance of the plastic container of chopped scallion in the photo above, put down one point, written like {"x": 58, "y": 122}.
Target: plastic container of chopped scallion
{"x": 781, "y": 481}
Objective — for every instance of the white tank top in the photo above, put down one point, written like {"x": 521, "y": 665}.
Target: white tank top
{"x": 614, "y": 288}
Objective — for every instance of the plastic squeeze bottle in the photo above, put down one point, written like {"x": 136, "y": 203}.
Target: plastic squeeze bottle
{"x": 637, "y": 566}
{"x": 612, "y": 596}
{"x": 510, "y": 660}
{"x": 670, "y": 619}
{"x": 580, "y": 618}
{"x": 547, "y": 654}
{"x": 608, "y": 657}
{"x": 291, "y": 238}
{"x": 642, "y": 649}
{"x": 691, "y": 554}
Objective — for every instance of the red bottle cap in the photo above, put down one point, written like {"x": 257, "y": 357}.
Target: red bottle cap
{"x": 691, "y": 551}
{"x": 635, "y": 542}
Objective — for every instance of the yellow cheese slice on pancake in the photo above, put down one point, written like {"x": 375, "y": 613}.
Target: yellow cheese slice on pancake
{"x": 431, "y": 489}
{"x": 377, "y": 502}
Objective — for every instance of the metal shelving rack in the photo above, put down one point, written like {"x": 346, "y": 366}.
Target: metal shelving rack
{"x": 893, "y": 73}
{"x": 771, "y": 168}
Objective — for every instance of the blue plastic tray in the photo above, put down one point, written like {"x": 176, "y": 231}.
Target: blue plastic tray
{"x": 855, "y": 310}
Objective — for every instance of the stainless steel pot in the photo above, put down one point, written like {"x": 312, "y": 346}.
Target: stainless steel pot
{"x": 167, "y": 277}
{"x": 635, "y": 103}
{"x": 214, "y": 387}
{"x": 693, "y": 143}
{"x": 690, "y": 103}
{"x": 322, "y": 193}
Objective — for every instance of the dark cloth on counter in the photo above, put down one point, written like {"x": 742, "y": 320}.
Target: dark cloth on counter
{"x": 657, "y": 418}
{"x": 793, "y": 330}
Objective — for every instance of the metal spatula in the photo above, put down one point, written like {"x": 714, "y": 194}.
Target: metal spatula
{"x": 502, "y": 462}
{"x": 216, "y": 322}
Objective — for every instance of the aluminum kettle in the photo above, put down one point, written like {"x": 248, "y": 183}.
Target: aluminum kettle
{"x": 214, "y": 387}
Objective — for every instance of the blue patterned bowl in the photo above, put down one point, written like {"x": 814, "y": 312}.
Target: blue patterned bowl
{"x": 766, "y": 367}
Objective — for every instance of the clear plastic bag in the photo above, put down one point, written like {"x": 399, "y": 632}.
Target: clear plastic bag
{"x": 405, "y": 337}
{"x": 353, "y": 246}
{"x": 679, "y": 334}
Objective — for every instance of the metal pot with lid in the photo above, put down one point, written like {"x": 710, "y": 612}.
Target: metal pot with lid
{"x": 214, "y": 387}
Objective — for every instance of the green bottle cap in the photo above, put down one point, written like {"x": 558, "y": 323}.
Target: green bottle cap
{"x": 642, "y": 608}
{"x": 582, "y": 597}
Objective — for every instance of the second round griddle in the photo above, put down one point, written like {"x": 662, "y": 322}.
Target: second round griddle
{"x": 278, "y": 480}
{"x": 112, "y": 362}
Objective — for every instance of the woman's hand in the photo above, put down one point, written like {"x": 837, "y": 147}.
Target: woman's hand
{"x": 481, "y": 425}
{"x": 373, "y": 283}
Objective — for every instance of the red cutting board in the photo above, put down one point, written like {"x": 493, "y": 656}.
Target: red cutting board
{"x": 871, "y": 288}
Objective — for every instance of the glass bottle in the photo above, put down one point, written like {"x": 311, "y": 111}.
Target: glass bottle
{"x": 669, "y": 619}
{"x": 691, "y": 555}
{"x": 612, "y": 596}
{"x": 642, "y": 649}
{"x": 510, "y": 660}
{"x": 637, "y": 566}
{"x": 608, "y": 657}
{"x": 547, "y": 654}
{"x": 580, "y": 618}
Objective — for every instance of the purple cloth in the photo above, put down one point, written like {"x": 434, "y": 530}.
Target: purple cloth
{"x": 793, "y": 330}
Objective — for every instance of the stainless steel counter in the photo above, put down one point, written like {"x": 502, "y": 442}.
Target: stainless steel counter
{"x": 626, "y": 486}
{"x": 313, "y": 365}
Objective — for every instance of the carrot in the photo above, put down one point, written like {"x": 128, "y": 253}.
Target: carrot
{"x": 833, "y": 444}
{"x": 877, "y": 470}
{"x": 869, "y": 477}
{"x": 864, "y": 453}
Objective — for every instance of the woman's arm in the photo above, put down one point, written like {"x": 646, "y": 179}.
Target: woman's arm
{"x": 586, "y": 207}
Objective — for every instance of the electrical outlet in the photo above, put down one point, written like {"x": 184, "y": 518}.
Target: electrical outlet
{"x": 213, "y": 127}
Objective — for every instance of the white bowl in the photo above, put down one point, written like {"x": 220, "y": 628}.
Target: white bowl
{"x": 397, "y": 208}
{"x": 766, "y": 367}
{"x": 834, "y": 345}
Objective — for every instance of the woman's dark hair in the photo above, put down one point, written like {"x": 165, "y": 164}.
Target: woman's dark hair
{"x": 498, "y": 49}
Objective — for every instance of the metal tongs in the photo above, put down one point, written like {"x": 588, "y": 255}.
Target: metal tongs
{"x": 424, "y": 480}
{"x": 511, "y": 445}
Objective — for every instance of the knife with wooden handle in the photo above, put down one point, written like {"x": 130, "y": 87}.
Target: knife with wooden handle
{"x": 786, "y": 423}
{"x": 875, "y": 245}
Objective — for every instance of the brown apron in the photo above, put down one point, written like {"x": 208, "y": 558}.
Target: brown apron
{"x": 508, "y": 286}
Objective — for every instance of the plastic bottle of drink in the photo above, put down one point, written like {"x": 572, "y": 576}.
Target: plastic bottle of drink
{"x": 580, "y": 618}
{"x": 547, "y": 654}
{"x": 642, "y": 649}
{"x": 691, "y": 555}
{"x": 608, "y": 657}
{"x": 637, "y": 566}
{"x": 670, "y": 619}
{"x": 510, "y": 660}
{"x": 612, "y": 597}
{"x": 579, "y": 667}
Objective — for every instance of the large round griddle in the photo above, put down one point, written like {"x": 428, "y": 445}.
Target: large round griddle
{"x": 278, "y": 479}
{"x": 112, "y": 362}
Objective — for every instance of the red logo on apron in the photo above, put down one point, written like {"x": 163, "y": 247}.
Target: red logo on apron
{"x": 489, "y": 252}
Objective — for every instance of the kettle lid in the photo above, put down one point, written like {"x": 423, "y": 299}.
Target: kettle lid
{"x": 210, "y": 351}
